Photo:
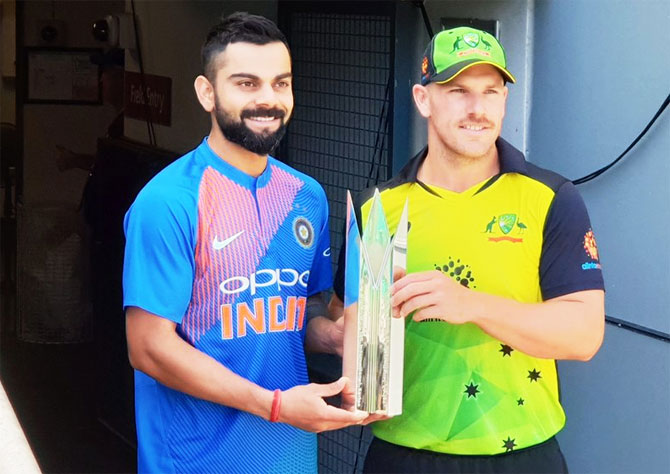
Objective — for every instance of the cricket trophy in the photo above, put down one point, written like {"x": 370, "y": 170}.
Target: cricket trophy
{"x": 374, "y": 341}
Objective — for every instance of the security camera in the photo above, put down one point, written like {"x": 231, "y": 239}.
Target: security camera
{"x": 114, "y": 30}
{"x": 106, "y": 30}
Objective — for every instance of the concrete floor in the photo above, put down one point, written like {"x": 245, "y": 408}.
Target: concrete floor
{"x": 52, "y": 389}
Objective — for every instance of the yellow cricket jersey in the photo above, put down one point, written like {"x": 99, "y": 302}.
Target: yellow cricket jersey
{"x": 523, "y": 234}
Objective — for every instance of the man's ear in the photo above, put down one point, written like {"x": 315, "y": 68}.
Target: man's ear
{"x": 205, "y": 92}
{"x": 420, "y": 94}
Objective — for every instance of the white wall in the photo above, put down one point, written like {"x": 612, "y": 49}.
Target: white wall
{"x": 171, "y": 35}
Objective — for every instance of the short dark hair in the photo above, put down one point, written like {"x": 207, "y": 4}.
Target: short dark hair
{"x": 239, "y": 27}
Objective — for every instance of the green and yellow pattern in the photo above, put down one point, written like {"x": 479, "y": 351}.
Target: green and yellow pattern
{"x": 464, "y": 391}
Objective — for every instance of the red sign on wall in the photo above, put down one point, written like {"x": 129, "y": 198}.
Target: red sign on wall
{"x": 155, "y": 103}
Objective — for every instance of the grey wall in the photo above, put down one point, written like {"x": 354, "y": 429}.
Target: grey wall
{"x": 600, "y": 75}
{"x": 617, "y": 407}
{"x": 601, "y": 70}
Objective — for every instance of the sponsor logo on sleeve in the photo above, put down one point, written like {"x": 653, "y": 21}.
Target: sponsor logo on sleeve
{"x": 591, "y": 249}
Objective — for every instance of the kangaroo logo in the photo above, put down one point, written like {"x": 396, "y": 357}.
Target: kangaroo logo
{"x": 489, "y": 226}
{"x": 505, "y": 228}
{"x": 458, "y": 44}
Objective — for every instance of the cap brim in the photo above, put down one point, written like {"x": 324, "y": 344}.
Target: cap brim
{"x": 453, "y": 71}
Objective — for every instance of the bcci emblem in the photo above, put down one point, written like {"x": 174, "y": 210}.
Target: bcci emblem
{"x": 304, "y": 232}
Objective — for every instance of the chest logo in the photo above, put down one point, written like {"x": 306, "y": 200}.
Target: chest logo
{"x": 459, "y": 271}
{"x": 221, "y": 244}
{"x": 505, "y": 227}
{"x": 304, "y": 232}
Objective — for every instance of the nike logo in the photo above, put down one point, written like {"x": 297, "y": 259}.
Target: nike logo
{"x": 219, "y": 244}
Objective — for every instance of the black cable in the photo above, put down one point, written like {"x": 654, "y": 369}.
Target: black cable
{"x": 150, "y": 125}
{"x": 381, "y": 125}
{"x": 424, "y": 14}
{"x": 597, "y": 173}
{"x": 644, "y": 330}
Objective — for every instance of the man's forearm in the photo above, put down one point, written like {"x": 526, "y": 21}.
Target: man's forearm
{"x": 157, "y": 350}
{"x": 322, "y": 336}
{"x": 178, "y": 365}
{"x": 569, "y": 327}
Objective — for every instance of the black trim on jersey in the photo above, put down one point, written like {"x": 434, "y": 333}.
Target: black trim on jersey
{"x": 511, "y": 161}
{"x": 427, "y": 188}
{"x": 563, "y": 252}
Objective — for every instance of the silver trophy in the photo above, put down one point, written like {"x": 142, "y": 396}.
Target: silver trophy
{"x": 374, "y": 341}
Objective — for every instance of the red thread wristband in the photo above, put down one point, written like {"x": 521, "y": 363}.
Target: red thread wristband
{"x": 276, "y": 406}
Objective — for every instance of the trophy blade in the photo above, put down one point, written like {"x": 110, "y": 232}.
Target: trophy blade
{"x": 350, "y": 347}
{"x": 374, "y": 311}
{"x": 373, "y": 340}
{"x": 397, "y": 338}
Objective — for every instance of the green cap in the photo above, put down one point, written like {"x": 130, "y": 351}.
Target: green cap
{"x": 450, "y": 52}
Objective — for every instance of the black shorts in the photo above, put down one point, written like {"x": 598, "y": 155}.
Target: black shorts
{"x": 385, "y": 457}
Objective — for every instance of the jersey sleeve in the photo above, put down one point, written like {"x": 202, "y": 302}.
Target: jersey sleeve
{"x": 570, "y": 260}
{"x": 159, "y": 261}
{"x": 321, "y": 273}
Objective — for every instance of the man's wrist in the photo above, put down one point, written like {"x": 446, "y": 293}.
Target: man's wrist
{"x": 276, "y": 406}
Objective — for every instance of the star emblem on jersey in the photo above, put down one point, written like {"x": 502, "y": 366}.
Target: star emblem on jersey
{"x": 221, "y": 244}
{"x": 304, "y": 232}
{"x": 533, "y": 375}
{"x": 506, "y": 350}
{"x": 471, "y": 390}
{"x": 520, "y": 401}
{"x": 508, "y": 444}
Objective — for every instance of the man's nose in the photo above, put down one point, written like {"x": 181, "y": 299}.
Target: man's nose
{"x": 266, "y": 95}
{"x": 475, "y": 105}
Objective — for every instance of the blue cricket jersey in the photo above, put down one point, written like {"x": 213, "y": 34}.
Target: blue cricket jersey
{"x": 231, "y": 259}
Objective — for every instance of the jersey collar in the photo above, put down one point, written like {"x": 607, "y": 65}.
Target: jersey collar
{"x": 511, "y": 161}
{"x": 237, "y": 175}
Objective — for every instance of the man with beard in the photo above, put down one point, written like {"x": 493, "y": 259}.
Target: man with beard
{"x": 227, "y": 251}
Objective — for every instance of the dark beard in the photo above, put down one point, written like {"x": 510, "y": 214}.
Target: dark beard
{"x": 238, "y": 132}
